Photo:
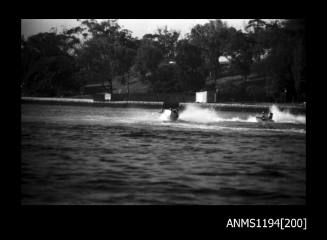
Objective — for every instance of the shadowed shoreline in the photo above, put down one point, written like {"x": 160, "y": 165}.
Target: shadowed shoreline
{"x": 243, "y": 107}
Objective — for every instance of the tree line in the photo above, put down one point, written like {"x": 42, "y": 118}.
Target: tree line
{"x": 59, "y": 64}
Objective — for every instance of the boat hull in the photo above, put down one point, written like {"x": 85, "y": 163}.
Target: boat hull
{"x": 261, "y": 119}
{"x": 173, "y": 116}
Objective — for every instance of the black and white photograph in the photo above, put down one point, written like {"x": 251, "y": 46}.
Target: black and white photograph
{"x": 163, "y": 112}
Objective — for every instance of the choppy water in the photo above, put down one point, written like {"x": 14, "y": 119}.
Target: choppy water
{"x": 95, "y": 155}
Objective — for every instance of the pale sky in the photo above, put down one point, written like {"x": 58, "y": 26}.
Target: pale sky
{"x": 139, "y": 27}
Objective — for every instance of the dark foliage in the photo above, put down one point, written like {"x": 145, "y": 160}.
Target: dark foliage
{"x": 59, "y": 64}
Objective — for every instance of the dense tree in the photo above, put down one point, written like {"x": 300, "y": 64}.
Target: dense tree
{"x": 257, "y": 34}
{"x": 167, "y": 41}
{"x": 95, "y": 60}
{"x": 281, "y": 55}
{"x": 191, "y": 69}
{"x": 165, "y": 79}
{"x": 47, "y": 63}
{"x": 55, "y": 64}
{"x": 211, "y": 38}
{"x": 107, "y": 53}
{"x": 239, "y": 50}
{"x": 148, "y": 56}
{"x": 296, "y": 31}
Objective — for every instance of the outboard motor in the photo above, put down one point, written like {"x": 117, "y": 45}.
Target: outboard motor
{"x": 174, "y": 109}
{"x": 174, "y": 114}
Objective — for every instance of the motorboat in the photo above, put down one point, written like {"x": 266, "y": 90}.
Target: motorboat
{"x": 265, "y": 118}
{"x": 173, "y": 114}
{"x": 174, "y": 110}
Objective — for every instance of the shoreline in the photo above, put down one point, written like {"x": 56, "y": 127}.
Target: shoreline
{"x": 243, "y": 107}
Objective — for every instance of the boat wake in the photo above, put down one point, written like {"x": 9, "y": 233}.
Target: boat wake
{"x": 197, "y": 114}
{"x": 195, "y": 117}
{"x": 215, "y": 127}
{"x": 285, "y": 116}
{"x": 165, "y": 115}
{"x": 191, "y": 118}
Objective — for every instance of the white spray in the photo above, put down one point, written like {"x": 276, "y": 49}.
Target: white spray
{"x": 285, "y": 116}
{"x": 195, "y": 113}
{"x": 165, "y": 115}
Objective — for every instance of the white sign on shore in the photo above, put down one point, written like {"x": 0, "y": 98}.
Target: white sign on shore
{"x": 107, "y": 96}
{"x": 201, "y": 97}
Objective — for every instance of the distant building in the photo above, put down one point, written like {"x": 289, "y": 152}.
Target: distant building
{"x": 94, "y": 88}
{"x": 98, "y": 91}
{"x": 102, "y": 97}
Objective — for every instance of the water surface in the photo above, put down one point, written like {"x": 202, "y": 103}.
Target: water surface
{"x": 103, "y": 155}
